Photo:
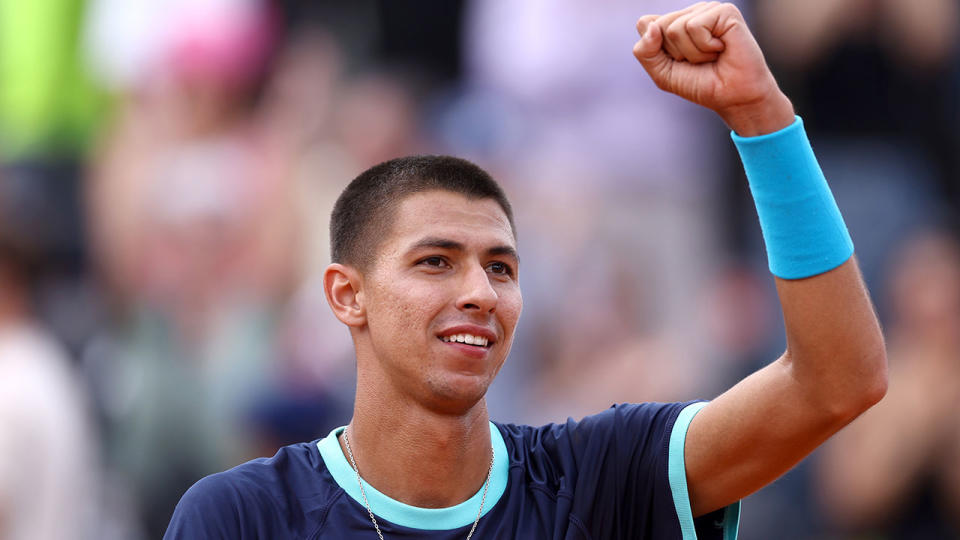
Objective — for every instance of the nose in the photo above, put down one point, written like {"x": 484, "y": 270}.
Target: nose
{"x": 477, "y": 293}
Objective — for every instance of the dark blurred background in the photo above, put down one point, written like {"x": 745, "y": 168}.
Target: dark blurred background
{"x": 167, "y": 169}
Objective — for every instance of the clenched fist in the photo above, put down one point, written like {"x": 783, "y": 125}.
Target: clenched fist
{"x": 706, "y": 54}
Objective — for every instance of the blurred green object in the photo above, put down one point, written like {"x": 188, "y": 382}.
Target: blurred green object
{"x": 48, "y": 101}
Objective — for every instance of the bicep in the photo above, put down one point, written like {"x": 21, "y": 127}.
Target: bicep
{"x": 749, "y": 436}
{"x": 833, "y": 370}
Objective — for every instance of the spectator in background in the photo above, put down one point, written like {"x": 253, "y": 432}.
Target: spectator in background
{"x": 876, "y": 82}
{"x": 193, "y": 223}
{"x": 209, "y": 212}
{"x": 895, "y": 472}
{"x": 50, "y": 112}
{"x": 49, "y": 481}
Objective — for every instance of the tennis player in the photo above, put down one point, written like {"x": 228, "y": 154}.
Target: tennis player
{"x": 426, "y": 279}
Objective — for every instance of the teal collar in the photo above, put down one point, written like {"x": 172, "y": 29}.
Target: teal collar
{"x": 415, "y": 517}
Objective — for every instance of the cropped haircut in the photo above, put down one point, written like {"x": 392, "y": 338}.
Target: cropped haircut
{"x": 365, "y": 210}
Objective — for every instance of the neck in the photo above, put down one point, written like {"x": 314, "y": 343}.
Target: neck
{"x": 418, "y": 456}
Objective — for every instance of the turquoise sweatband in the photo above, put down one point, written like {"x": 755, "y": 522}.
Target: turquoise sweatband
{"x": 802, "y": 226}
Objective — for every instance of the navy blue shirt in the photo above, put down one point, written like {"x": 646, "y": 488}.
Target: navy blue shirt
{"x": 617, "y": 474}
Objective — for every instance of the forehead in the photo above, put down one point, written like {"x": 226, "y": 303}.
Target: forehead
{"x": 472, "y": 222}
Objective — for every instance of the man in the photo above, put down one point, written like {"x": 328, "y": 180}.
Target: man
{"x": 47, "y": 442}
{"x": 426, "y": 278}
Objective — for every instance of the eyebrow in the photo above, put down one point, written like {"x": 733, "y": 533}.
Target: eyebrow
{"x": 453, "y": 245}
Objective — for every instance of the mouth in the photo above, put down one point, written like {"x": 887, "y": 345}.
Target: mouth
{"x": 480, "y": 342}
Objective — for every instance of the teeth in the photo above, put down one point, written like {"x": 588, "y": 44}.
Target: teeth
{"x": 469, "y": 339}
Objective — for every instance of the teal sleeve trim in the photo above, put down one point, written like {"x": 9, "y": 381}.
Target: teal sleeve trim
{"x": 677, "y": 474}
{"x": 731, "y": 521}
{"x": 428, "y": 519}
{"x": 803, "y": 230}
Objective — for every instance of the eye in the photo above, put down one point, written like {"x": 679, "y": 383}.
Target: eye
{"x": 435, "y": 262}
{"x": 500, "y": 268}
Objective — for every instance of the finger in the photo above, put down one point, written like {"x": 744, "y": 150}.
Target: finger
{"x": 703, "y": 29}
{"x": 680, "y": 38}
{"x": 649, "y": 52}
{"x": 665, "y": 21}
{"x": 644, "y": 22}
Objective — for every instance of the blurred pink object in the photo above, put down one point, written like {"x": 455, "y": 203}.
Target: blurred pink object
{"x": 227, "y": 42}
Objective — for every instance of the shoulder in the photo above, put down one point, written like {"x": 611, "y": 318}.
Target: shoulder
{"x": 633, "y": 421}
{"x": 255, "y": 496}
{"x": 263, "y": 475}
{"x": 624, "y": 432}
{"x": 613, "y": 463}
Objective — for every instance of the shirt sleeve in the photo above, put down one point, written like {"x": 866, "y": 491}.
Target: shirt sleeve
{"x": 721, "y": 524}
{"x": 629, "y": 474}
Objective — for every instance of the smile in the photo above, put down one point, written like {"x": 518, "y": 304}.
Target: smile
{"x": 468, "y": 339}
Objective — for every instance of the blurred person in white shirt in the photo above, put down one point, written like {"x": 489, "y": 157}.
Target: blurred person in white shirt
{"x": 48, "y": 476}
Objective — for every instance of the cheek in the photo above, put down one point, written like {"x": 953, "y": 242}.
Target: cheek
{"x": 509, "y": 307}
{"x": 402, "y": 312}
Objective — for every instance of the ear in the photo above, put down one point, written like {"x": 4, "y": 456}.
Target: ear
{"x": 342, "y": 285}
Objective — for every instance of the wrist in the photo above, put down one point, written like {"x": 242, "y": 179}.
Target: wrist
{"x": 802, "y": 227}
{"x": 771, "y": 113}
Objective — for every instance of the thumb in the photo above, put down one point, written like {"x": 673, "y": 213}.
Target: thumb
{"x": 649, "y": 50}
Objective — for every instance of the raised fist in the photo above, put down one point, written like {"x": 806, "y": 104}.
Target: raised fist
{"x": 706, "y": 54}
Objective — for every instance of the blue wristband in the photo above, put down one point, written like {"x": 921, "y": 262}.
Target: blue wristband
{"x": 802, "y": 226}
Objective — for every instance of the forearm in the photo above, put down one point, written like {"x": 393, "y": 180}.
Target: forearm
{"x": 835, "y": 349}
{"x": 834, "y": 366}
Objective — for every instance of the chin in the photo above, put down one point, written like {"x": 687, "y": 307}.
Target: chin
{"x": 458, "y": 394}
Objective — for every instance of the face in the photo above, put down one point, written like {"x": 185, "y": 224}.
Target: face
{"x": 442, "y": 298}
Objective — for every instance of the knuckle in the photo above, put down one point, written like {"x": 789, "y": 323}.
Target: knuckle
{"x": 731, "y": 9}
{"x": 643, "y": 23}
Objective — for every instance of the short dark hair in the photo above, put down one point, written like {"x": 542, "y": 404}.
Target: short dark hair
{"x": 365, "y": 209}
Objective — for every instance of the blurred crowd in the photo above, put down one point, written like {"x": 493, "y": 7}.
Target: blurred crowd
{"x": 167, "y": 169}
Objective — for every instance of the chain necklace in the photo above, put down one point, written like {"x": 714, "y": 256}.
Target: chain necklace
{"x": 486, "y": 484}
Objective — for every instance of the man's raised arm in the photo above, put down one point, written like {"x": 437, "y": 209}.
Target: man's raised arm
{"x": 834, "y": 367}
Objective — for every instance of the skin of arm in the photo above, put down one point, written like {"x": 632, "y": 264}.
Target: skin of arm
{"x": 834, "y": 367}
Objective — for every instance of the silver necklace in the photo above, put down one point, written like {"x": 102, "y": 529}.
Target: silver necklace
{"x": 486, "y": 484}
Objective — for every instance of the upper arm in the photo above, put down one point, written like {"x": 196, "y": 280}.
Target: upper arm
{"x": 748, "y": 437}
{"x": 834, "y": 369}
